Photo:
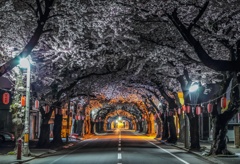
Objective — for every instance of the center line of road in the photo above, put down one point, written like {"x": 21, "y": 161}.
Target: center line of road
{"x": 119, "y": 156}
{"x": 180, "y": 159}
{"x": 119, "y": 149}
{"x": 119, "y": 145}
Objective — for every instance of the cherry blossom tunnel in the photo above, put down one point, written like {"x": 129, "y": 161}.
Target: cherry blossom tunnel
{"x": 100, "y": 118}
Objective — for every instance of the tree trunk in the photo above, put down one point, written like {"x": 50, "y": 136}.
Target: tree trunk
{"x": 57, "y": 139}
{"x": 18, "y": 132}
{"x": 140, "y": 126}
{"x": 182, "y": 128}
{"x": 172, "y": 130}
{"x": 165, "y": 133}
{"x": 44, "y": 141}
{"x": 159, "y": 128}
{"x": 219, "y": 145}
{"x": 92, "y": 127}
{"x": 194, "y": 133}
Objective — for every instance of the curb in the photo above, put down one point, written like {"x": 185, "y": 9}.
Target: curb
{"x": 213, "y": 160}
{"x": 50, "y": 151}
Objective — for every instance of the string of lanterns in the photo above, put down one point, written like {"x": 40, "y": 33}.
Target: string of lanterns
{"x": 223, "y": 96}
{"x": 187, "y": 108}
{"x": 198, "y": 109}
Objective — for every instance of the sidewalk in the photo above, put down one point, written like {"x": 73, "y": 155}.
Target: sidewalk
{"x": 35, "y": 152}
{"x": 206, "y": 146}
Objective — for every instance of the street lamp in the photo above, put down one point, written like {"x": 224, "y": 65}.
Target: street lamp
{"x": 24, "y": 63}
{"x": 194, "y": 87}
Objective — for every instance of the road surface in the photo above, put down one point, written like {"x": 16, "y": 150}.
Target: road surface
{"x": 120, "y": 147}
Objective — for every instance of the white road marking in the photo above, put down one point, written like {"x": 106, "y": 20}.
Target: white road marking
{"x": 119, "y": 145}
{"x": 119, "y": 149}
{"x": 180, "y": 159}
{"x": 120, "y": 141}
{"x": 119, "y": 156}
{"x": 89, "y": 139}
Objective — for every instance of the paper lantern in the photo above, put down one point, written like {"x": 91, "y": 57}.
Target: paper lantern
{"x": 179, "y": 111}
{"x": 210, "y": 108}
{"x": 184, "y": 108}
{"x": 36, "y": 104}
{"x": 223, "y": 102}
{"x": 56, "y": 111}
{"x": 46, "y": 109}
{"x": 23, "y": 100}
{"x": 82, "y": 117}
{"x": 6, "y": 98}
{"x": 198, "y": 110}
{"x": 188, "y": 109}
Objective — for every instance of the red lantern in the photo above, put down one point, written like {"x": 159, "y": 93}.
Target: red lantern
{"x": 36, "y": 104}
{"x": 210, "y": 108}
{"x": 56, "y": 111}
{"x": 6, "y": 98}
{"x": 23, "y": 101}
{"x": 179, "y": 111}
{"x": 223, "y": 102}
{"x": 198, "y": 110}
{"x": 46, "y": 109}
{"x": 83, "y": 117}
{"x": 184, "y": 108}
{"x": 188, "y": 109}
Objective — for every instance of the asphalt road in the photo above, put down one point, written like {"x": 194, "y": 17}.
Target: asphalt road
{"x": 120, "y": 147}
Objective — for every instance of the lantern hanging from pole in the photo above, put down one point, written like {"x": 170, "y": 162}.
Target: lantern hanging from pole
{"x": 56, "y": 111}
{"x": 23, "y": 100}
{"x": 188, "y": 108}
{"x": 210, "y": 108}
{"x": 46, "y": 109}
{"x": 198, "y": 110}
{"x": 83, "y": 117}
{"x": 36, "y": 104}
{"x": 6, "y": 98}
{"x": 184, "y": 108}
{"x": 179, "y": 111}
{"x": 224, "y": 102}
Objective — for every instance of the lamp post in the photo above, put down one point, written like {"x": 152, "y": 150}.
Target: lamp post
{"x": 24, "y": 63}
